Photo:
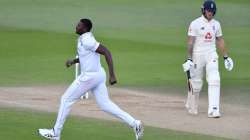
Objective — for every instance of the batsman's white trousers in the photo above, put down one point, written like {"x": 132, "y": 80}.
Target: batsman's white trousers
{"x": 96, "y": 82}
{"x": 209, "y": 62}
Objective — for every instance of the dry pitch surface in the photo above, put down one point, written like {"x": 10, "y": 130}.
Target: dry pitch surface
{"x": 164, "y": 111}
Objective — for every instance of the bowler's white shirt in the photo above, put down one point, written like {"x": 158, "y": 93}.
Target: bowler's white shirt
{"x": 205, "y": 33}
{"x": 89, "y": 59}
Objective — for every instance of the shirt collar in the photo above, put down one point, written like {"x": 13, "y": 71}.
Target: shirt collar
{"x": 205, "y": 20}
{"x": 85, "y": 34}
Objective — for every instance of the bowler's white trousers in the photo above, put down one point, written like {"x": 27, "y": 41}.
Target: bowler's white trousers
{"x": 94, "y": 81}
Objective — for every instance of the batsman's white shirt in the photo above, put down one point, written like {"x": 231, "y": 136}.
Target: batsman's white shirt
{"x": 89, "y": 59}
{"x": 205, "y": 32}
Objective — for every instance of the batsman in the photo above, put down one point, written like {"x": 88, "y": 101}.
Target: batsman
{"x": 204, "y": 36}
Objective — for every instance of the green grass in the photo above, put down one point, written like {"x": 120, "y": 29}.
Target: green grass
{"x": 31, "y": 57}
{"x": 147, "y": 39}
{"x": 39, "y": 61}
{"x": 23, "y": 124}
{"x": 148, "y": 42}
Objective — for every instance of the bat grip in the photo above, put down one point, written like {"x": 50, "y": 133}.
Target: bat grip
{"x": 189, "y": 82}
{"x": 188, "y": 74}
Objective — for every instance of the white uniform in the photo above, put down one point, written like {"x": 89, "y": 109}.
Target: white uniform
{"x": 205, "y": 57}
{"x": 93, "y": 77}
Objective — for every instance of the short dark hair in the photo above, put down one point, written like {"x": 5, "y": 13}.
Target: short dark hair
{"x": 87, "y": 23}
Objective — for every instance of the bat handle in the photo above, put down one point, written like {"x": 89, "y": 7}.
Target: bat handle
{"x": 189, "y": 82}
{"x": 188, "y": 74}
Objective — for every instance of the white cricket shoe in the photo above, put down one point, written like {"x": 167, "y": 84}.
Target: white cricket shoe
{"x": 48, "y": 134}
{"x": 187, "y": 106}
{"x": 138, "y": 129}
{"x": 214, "y": 114}
{"x": 193, "y": 111}
{"x": 190, "y": 110}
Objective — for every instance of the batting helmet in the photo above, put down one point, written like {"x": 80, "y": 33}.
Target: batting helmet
{"x": 209, "y": 5}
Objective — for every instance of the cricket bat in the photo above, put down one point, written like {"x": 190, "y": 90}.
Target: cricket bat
{"x": 191, "y": 98}
{"x": 190, "y": 89}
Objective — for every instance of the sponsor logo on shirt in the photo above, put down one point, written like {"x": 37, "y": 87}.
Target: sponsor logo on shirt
{"x": 208, "y": 37}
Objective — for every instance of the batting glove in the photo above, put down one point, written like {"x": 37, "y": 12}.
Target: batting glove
{"x": 187, "y": 65}
{"x": 229, "y": 64}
